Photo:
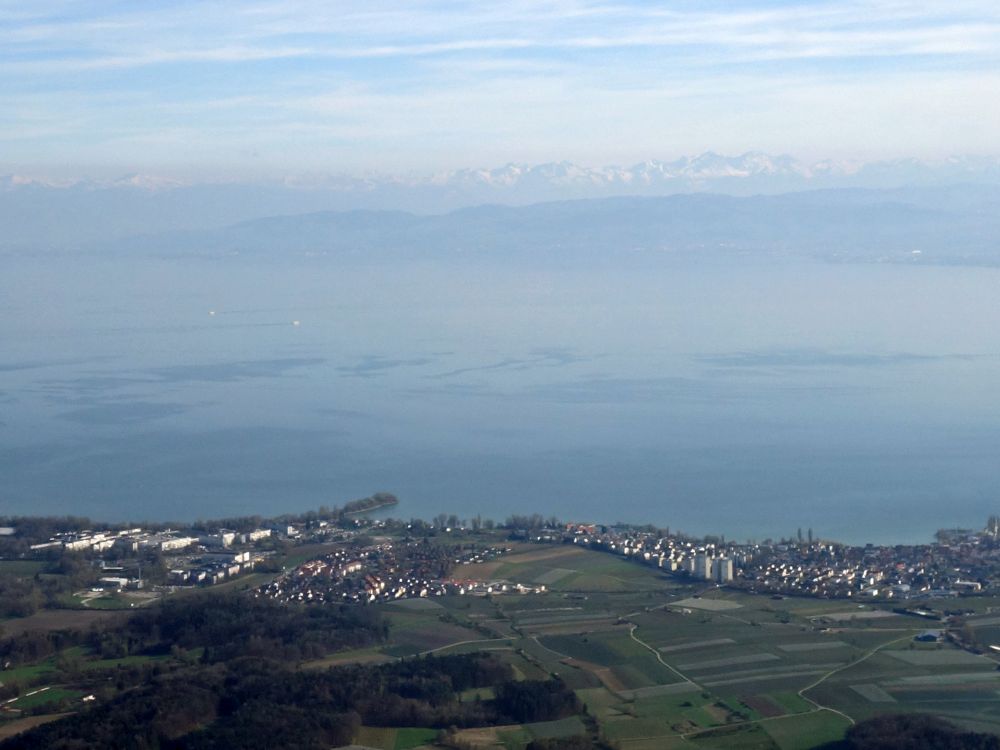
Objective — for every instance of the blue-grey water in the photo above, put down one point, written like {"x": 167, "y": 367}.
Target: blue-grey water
{"x": 749, "y": 399}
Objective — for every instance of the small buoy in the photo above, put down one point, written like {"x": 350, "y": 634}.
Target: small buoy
{"x": 295, "y": 323}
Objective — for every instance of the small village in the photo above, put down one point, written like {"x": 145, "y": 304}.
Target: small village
{"x": 389, "y": 571}
{"x": 961, "y": 563}
{"x": 381, "y": 560}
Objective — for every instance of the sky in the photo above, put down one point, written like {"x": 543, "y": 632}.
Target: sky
{"x": 251, "y": 89}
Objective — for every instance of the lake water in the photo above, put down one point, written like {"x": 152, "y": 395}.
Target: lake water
{"x": 748, "y": 399}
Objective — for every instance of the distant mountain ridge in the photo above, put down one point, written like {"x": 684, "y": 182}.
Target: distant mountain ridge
{"x": 42, "y": 216}
{"x": 926, "y": 225}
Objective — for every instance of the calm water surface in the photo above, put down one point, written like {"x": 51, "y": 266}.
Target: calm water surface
{"x": 746, "y": 399}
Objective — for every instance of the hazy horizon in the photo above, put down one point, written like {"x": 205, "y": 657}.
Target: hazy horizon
{"x": 224, "y": 90}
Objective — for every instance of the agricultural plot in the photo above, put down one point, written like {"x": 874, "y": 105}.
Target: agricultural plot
{"x": 554, "y": 574}
{"x": 390, "y": 738}
{"x": 470, "y": 606}
{"x": 944, "y": 657}
{"x": 21, "y": 568}
{"x": 745, "y": 658}
{"x": 601, "y": 703}
{"x": 786, "y": 677}
{"x": 43, "y": 696}
{"x": 946, "y": 682}
{"x": 420, "y": 631}
{"x": 410, "y": 737}
{"x": 477, "y": 694}
{"x": 873, "y": 692}
{"x": 811, "y": 646}
{"x": 499, "y": 628}
{"x": 631, "y": 665}
{"x": 793, "y": 703}
{"x": 658, "y": 743}
{"x": 565, "y": 621}
{"x": 523, "y": 668}
{"x": 11, "y": 728}
{"x": 46, "y": 620}
{"x": 575, "y": 675}
{"x": 569, "y": 568}
{"x": 657, "y": 690}
{"x": 29, "y": 674}
{"x": 568, "y": 727}
{"x": 423, "y": 604}
{"x": 743, "y": 737}
{"x": 371, "y": 655}
{"x": 689, "y": 710}
{"x": 710, "y": 605}
{"x": 636, "y": 729}
{"x": 732, "y": 661}
{"x": 806, "y": 731}
{"x": 693, "y": 645}
{"x": 859, "y": 614}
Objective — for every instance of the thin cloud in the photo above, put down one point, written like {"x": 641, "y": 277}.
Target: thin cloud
{"x": 383, "y": 84}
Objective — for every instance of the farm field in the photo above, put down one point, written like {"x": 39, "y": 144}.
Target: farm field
{"x": 658, "y": 661}
{"x": 391, "y": 738}
{"x": 21, "y": 568}
{"x": 46, "y": 620}
{"x": 420, "y": 630}
{"x": 16, "y": 726}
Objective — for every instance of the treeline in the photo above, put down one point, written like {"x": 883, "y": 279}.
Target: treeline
{"x": 223, "y": 626}
{"x": 336, "y": 514}
{"x": 23, "y": 594}
{"x": 916, "y": 731}
{"x": 378, "y": 500}
{"x": 255, "y": 703}
{"x": 234, "y": 625}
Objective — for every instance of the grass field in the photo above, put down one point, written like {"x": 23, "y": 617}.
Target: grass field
{"x": 629, "y": 663}
{"x": 569, "y": 568}
{"x": 11, "y": 728}
{"x": 46, "y": 620}
{"x": 806, "y": 731}
{"x": 421, "y": 630}
{"x": 409, "y": 737}
{"x": 42, "y": 697}
{"x": 567, "y": 727}
{"x": 392, "y": 738}
{"x": 29, "y": 674}
{"x": 111, "y": 601}
{"x": 379, "y": 737}
{"x": 21, "y": 568}
{"x": 744, "y": 737}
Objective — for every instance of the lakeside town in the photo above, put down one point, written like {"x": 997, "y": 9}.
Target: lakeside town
{"x": 621, "y": 612}
{"x": 368, "y": 560}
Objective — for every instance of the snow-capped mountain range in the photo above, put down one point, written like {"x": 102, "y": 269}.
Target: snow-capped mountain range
{"x": 708, "y": 171}
{"x": 43, "y": 213}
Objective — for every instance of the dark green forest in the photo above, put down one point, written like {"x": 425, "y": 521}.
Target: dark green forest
{"x": 251, "y": 702}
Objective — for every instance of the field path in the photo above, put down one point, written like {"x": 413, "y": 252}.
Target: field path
{"x": 463, "y": 643}
{"x": 828, "y": 675}
{"x": 659, "y": 658}
{"x": 819, "y": 681}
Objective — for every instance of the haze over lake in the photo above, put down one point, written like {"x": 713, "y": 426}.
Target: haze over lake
{"x": 742, "y": 397}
